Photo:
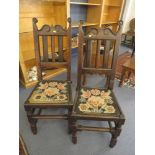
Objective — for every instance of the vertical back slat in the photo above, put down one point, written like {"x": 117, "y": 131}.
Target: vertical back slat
{"x": 53, "y": 48}
{"x": 112, "y": 46}
{"x": 106, "y": 54}
{"x": 89, "y": 53}
{"x": 45, "y": 48}
{"x": 60, "y": 48}
{"x": 85, "y": 55}
{"x": 115, "y": 54}
{"x": 97, "y": 58}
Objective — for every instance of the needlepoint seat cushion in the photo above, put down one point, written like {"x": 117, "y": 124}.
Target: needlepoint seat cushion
{"x": 96, "y": 101}
{"x": 51, "y": 92}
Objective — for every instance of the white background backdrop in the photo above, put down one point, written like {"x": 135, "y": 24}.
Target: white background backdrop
{"x": 145, "y": 77}
{"x": 129, "y": 13}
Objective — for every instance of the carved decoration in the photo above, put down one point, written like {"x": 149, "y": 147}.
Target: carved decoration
{"x": 100, "y": 32}
{"x": 50, "y": 30}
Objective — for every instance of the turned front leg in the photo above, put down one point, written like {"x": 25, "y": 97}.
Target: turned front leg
{"x": 69, "y": 121}
{"x": 32, "y": 121}
{"x": 115, "y": 134}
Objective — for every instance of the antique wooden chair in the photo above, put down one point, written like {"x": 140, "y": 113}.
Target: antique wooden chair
{"x": 129, "y": 36}
{"x": 128, "y": 68}
{"x": 50, "y": 93}
{"x": 96, "y": 103}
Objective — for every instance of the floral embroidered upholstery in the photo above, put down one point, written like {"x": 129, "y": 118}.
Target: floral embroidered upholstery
{"x": 50, "y": 92}
{"x": 98, "y": 101}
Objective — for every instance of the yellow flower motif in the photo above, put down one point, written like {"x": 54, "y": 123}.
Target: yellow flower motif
{"x": 53, "y": 84}
{"x": 86, "y": 94}
{"x": 109, "y": 109}
{"x": 95, "y": 92}
{"x": 43, "y": 86}
{"x": 61, "y": 86}
{"x": 83, "y": 107}
{"x": 51, "y": 91}
{"x": 96, "y": 101}
{"x": 105, "y": 95}
{"x": 61, "y": 97}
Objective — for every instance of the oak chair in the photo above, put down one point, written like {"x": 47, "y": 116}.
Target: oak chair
{"x": 96, "y": 103}
{"x": 129, "y": 36}
{"x": 128, "y": 68}
{"x": 49, "y": 94}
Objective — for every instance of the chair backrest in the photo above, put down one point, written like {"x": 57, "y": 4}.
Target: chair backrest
{"x": 52, "y": 47}
{"x": 97, "y": 53}
{"x": 132, "y": 25}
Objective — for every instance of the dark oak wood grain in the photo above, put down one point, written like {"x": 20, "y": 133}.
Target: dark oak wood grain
{"x": 45, "y": 48}
{"x": 89, "y": 63}
{"x": 43, "y": 62}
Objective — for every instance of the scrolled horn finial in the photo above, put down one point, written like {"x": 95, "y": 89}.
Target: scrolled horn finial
{"x": 80, "y": 25}
{"x": 81, "y": 22}
{"x": 69, "y": 20}
{"x": 80, "y": 28}
{"x": 120, "y": 24}
{"x": 35, "y": 20}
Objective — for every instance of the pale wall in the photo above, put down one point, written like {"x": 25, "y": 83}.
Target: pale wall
{"x": 129, "y": 13}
